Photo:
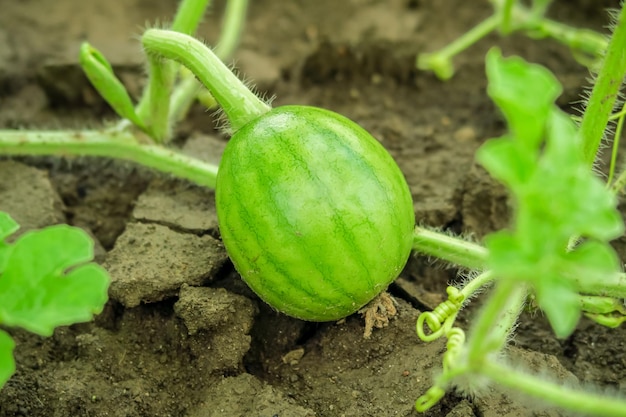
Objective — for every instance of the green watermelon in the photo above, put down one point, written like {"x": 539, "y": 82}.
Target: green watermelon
{"x": 314, "y": 213}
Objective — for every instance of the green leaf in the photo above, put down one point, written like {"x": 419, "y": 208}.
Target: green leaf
{"x": 524, "y": 92}
{"x": 560, "y": 303}
{"x": 608, "y": 320}
{"x": 43, "y": 284}
{"x": 100, "y": 73}
{"x": 589, "y": 209}
{"x": 506, "y": 256}
{"x": 7, "y": 363}
{"x": 506, "y": 161}
{"x": 439, "y": 63}
{"x": 556, "y": 197}
{"x": 592, "y": 264}
{"x": 597, "y": 304}
{"x": 8, "y": 226}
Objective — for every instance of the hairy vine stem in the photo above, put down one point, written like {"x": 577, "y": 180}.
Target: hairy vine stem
{"x": 605, "y": 91}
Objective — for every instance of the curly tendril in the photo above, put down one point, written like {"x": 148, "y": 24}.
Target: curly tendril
{"x": 440, "y": 320}
{"x": 456, "y": 340}
{"x": 430, "y": 398}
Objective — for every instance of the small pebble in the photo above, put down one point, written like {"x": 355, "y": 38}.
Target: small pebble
{"x": 465, "y": 134}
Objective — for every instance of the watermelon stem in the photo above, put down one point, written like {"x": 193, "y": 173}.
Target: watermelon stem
{"x": 239, "y": 103}
{"x": 107, "y": 143}
{"x": 449, "y": 248}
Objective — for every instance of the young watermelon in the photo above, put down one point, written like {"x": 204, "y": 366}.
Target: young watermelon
{"x": 314, "y": 213}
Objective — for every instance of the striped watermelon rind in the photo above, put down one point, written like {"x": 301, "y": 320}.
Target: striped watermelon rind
{"x": 314, "y": 213}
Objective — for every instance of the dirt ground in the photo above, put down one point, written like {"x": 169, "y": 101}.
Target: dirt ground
{"x": 182, "y": 335}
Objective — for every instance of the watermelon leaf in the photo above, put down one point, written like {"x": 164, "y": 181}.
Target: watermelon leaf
{"x": 45, "y": 282}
